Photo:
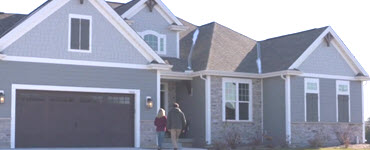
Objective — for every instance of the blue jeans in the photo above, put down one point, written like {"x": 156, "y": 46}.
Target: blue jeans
{"x": 160, "y": 135}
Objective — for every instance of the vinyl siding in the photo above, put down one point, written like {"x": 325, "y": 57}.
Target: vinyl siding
{"x": 327, "y": 100}
{"x": 274, "y": 108}
{"x": 78, "y": 76}
{"x": 146, "y": 20}
{"x": 326, "y": 60}
{"x": 49, "y": 39}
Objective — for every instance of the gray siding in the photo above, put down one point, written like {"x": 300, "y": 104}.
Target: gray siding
{"x": 356, "y": 101}
{"x": 194, "y": 109}
{"x": 146, "y": 20}
{"x": 326, "y": 60}
{"x": 327, "y": 100}
{"x": 297, "y": 99}
{"x": 50, "y": 38}
{"x": 78, "y": 76}
{"x": 274, "y": 108}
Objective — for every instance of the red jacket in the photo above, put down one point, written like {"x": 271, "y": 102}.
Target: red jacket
{"x": 161, "y": 123}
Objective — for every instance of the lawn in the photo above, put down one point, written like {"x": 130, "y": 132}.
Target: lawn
{"x": 351, "y": 147}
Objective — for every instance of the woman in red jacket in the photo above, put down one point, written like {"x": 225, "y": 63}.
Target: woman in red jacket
{"x": 161, "y": 123}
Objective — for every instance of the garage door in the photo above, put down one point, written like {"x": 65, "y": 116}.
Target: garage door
{"x": 73, "y": 119}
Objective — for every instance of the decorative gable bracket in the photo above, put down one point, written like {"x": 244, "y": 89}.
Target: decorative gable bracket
{"x": 81, "y": 1}
{"x": 328, "y": 39}
{"x": 151, "y": 4}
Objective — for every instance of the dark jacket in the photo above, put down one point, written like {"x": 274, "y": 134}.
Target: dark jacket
{"x": 160, "y": 123}
{"x": 176, "y": 119}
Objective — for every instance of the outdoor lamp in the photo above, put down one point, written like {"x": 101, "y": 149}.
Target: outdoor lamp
{"x": 2, "y": 97}
{"x": 149, "y": 102}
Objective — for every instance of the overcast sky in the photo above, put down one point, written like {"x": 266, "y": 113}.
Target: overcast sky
{"x": 262, "y": 19}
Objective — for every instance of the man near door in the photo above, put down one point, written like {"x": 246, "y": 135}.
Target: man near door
{"x": 175, "y": 123}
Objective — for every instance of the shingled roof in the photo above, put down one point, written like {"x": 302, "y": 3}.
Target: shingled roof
{"x": 217, "y": 47}
{"x": 220, "y": 48}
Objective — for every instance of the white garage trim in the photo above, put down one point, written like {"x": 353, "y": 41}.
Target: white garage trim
{"x": 74, "y": 89}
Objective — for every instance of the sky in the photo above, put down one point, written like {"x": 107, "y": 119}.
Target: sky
{"x": 263, "y": 19}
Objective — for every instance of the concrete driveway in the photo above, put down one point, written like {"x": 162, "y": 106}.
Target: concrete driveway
{"x": 99, "y": 149}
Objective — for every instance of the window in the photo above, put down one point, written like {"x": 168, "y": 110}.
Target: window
{"x": 79, "y": 33}
{"x": 343, "y": 101}
{"x": 312, "y": 103}
{"x": 237, "y": 99}
{"x": 155, "y": 40}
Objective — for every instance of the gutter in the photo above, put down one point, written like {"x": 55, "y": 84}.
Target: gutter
{"x": 190, "y": 75}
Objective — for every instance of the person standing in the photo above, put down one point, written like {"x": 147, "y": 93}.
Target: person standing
{"x": 160, "y": 122}
{"x": 176, "y": 123}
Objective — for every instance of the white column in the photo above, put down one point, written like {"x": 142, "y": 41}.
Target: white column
{"x": 208, "y": 110}
{"x": 287, "y": 110}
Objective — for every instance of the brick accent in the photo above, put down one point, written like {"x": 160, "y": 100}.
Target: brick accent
{"x": 5, "y": 133}
{"x": 247, "y": 130}
{"x": 303, "y": 132}
{"x": 148, "y": 137}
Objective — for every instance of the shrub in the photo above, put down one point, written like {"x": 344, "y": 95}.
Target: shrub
{"x": 219, "y": 145}
{"x": 233, "y": 138}
{"x": 318, "y": 140}
{"x": 344, "y": 134}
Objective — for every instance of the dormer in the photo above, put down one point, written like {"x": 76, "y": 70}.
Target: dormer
{"x": 156, "y": 24}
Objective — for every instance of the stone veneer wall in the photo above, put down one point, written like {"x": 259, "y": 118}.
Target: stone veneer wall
{"x": 303, "y": 132}
{"x": 247, "y": 130}
{"x": 148, "y": 137}
{"x": 5, "y": 133}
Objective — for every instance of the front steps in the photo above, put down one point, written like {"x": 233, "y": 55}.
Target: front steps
{"x": 167, "y": 143}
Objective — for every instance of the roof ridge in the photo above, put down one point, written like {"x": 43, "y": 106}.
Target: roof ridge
{"x": 293, "y": 33}
{"x": 234, "y": 31}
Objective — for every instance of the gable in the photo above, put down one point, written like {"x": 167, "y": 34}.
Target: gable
{"x": 145, "y": 20}
{"x": 50, "y": 38}
{"x": 326, "y": 60}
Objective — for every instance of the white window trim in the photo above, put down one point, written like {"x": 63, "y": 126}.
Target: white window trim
{"x": 341, "y": 82}
{"x": 237, "y": 81}
{"x": 69, "y": 33}
{"x": 317, "y": 91}
{"x": 160, "y": 36}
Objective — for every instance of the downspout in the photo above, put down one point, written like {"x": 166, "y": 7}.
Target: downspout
{"x": 287, "y": 109}
{"x": 207, "y": 108}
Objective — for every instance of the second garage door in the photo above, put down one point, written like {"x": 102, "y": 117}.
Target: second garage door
{"x": 73, "y": 119}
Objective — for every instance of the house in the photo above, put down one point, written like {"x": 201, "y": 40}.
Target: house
{"x": 90, "y": 73}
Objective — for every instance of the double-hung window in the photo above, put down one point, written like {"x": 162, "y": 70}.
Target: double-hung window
{"x": 312, "y": 100}
{"x": 80, "y": 33}
{"x": 343, "y": 101}
{"x": 237, "y": 99}
{"x": 155, "y": 40}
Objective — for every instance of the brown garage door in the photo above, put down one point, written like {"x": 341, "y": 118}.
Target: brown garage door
{"x": 73, "y": 119}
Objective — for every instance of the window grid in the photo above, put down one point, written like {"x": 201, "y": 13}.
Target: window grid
{"x": 155, "y": 40}
{"x": 237, "y": 95}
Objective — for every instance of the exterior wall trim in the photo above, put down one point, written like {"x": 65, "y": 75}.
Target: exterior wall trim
{"x": 238, "y": 80}
{"x": 189, "y": 76}
{"x": 363, "y": 113}
{"x": 83, "y": 63}
{"x": 15, "y": 87}
{"x": 346, "y": 93}
{"x": 306, "y": 80}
